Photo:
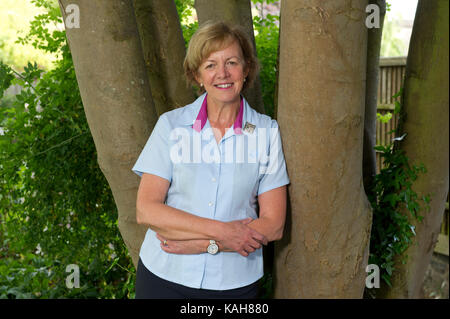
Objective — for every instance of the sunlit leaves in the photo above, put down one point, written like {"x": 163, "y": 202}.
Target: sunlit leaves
{"x": 52, "y": 193}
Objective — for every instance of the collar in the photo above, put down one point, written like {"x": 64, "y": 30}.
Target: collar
{"x": 202, "y": 117}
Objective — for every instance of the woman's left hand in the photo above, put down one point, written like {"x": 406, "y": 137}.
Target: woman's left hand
{"x": 185, "y": 247}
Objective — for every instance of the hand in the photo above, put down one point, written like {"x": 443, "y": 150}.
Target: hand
{"x": 239, "y": 237}
{"x": 185, "y": 247}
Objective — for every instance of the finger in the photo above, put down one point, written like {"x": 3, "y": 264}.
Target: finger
{"x": 259, "y": 237}
{"x": 168, "y": 249}
{"x": 265, "y": 241}
{"x": 243, "y": 253}
{"x": 246, "y": 221}
{"x": 250, "y": 249}
{"x": 253, "y": 244}
{"x": 164, "y": 241}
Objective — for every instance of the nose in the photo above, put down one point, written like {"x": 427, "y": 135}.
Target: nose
{"x": 222, "y": 71}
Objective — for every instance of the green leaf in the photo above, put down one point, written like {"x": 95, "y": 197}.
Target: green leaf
{"x": 386, "y": 278}
{"x": 397, "y": 107}
{"x": 380, "y": 148}
{"x": 398, "y": 94}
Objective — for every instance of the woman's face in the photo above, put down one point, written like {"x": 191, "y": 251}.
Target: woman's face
{"x": 223, "y": 74}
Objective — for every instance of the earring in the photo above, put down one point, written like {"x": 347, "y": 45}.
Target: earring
{"x": 201, "y": 84}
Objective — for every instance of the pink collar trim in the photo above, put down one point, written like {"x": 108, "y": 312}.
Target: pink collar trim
{"x": 202, "y": 117}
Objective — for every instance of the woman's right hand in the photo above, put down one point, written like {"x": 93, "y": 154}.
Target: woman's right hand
{"x": 239, "y": 237}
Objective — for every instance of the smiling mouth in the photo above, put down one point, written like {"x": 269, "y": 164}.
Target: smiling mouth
{"x": 224, "y": 86}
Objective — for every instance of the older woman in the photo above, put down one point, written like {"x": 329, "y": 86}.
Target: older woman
{"x": 213, "y": 180}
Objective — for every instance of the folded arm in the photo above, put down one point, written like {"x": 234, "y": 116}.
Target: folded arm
{"x": 270, "y": 223}
{"x": 176, "y": 225}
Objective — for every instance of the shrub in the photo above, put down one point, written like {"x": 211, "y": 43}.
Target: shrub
{"x": 56, "y": 206}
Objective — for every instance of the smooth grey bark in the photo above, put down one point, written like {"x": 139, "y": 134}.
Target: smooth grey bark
{"x": 236, "y": 12}
{"x": 164, "y": 50}
{"x": 321, "y": 92}
{"x": 116, "y": 96}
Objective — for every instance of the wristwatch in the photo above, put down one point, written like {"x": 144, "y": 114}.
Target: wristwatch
{"x": 212, "y": 248}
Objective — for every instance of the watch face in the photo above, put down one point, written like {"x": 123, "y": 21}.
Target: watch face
{"x": 213, "y": 249}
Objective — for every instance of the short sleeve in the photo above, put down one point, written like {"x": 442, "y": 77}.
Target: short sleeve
{"x": 274, "y": 173}
{"x": 155, "y": 157}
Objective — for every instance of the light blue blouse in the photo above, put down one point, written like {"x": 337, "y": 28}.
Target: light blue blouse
{"x": 219, "y": 181}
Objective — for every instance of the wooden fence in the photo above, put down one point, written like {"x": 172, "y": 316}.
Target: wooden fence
{"x": 392, "y": 73}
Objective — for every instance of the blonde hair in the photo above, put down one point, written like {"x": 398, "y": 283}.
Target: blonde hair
{"x": 215, "y": 36}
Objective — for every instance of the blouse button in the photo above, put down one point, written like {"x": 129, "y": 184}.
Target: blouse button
{"x": 213, "y": 179}
{"x": 210, "y": 204}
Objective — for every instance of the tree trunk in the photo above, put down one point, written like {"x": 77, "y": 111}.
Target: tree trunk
{"x": 324, "y": 251}
{"x": 236, "y": 12}
{"x": 425, "y": 120}
{"x": 277, "y": 76}
{"x": 370, "y": 114}
{"x": 164, "y": 50}
{"x": 114, "y": 88}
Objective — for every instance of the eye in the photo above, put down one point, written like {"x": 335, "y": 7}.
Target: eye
{"x": 209, "y": 66}
{"x": 232, "y": 62}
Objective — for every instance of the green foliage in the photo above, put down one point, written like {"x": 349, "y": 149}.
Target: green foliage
{"x": 384, "y": 118}
{"x": 56, "y": 206}
{"x": 266, "y": 39}
{"x": 391, "y": 196}
{"x": 262, "y": 2}
{"x": 6, "y": 77}
{"x": 392, "y": 230}
{"x": 185, "y": 9}
{"x": 14, "y": 21}
{"x": 40, "y": 36}
{"x": 26, "y": 277}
